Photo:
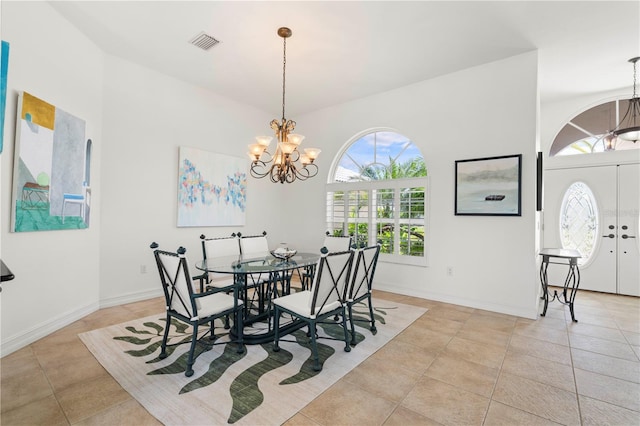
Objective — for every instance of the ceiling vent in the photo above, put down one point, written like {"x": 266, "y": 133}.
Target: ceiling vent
{"x": 204, "y": 41}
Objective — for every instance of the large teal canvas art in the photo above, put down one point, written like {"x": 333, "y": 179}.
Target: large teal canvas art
{"x": 52, "y": 164}
{"x": 212, "y": 189}
{"x": 4, "y": 72}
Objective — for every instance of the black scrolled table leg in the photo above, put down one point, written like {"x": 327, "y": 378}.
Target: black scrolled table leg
{"x": 543, "y": 281}
{"x": 574, "y": 273}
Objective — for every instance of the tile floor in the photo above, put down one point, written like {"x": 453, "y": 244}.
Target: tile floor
{"x": 453, "y": 366}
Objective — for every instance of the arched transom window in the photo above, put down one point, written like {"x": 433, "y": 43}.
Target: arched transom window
{"x": 377, "y": 192}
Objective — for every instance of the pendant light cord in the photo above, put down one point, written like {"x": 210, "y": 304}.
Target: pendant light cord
{"x": 284, "y": 71}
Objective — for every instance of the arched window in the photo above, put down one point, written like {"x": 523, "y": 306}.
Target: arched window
{"x": 590, "y": 131}
{"x": 377, "y": 192}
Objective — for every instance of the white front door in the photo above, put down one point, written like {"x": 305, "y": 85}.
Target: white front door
{"x": 595, "y": 210}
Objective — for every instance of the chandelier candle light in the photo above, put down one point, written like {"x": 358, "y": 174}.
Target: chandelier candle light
{"x": 287, "y": 163}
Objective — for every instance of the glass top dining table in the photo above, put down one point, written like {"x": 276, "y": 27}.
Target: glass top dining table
{"x": 258, "y": 277}
{"x": 256, "y": 263}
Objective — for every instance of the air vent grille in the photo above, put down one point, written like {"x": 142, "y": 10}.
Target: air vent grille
{"x": 204, "y": 41}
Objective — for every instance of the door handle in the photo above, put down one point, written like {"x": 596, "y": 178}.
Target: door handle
{"x": 609, "y": 236}
{"x": 625, "y": 236}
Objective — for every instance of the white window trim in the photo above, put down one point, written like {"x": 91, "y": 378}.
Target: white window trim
{"x": 394, "y": 184}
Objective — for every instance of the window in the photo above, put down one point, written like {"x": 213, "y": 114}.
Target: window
{"x": 586, "y": 132}
{"x": 579, "y": 221}
{"x": 377, "y": 193}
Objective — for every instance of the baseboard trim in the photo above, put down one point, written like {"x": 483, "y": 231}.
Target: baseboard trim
{"x": 477, "y": 304}
{"x": 43, "y": 329}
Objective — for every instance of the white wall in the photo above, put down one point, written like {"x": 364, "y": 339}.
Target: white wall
{"x": 485, "y": 111}
{"x": 57, "y": 272}
{"x": 147, "y": 117}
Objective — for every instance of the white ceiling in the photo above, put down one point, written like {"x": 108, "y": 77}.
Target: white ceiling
{"x": 341, "y": 51}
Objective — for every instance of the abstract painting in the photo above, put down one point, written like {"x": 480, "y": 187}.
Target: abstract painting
{"x": 4, "y": 67}
{"x": 212, "y": 189}
{"x": 51, "y": 168}
{"x": 489, "y": 186}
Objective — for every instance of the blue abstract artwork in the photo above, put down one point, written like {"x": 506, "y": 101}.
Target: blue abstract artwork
{"x": 212, "y": 189}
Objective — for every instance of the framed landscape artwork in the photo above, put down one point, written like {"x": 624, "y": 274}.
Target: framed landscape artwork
{"x": 51, "y": 172}
{"x": 212, "y": 189}
{"x": 489, "y": 186}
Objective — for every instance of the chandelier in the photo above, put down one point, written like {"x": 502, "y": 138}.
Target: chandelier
{"x": 629, "y": 127}
{"x": 287, "y": 162}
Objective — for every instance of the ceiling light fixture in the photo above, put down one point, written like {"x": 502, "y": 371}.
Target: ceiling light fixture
{"x": 629, "y": 127}
{"x": 287, "y": 163}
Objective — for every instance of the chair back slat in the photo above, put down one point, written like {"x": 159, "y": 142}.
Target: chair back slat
{"x": 330, "y": 281}
{"x": 218, "y": 247}
{"x": 363, "y": 271}
{"x": 255, "y": 244}
{"x": 176, "y": 282}
{"x": 334, "y": 244}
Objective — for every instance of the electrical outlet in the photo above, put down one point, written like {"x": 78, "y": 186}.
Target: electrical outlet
{"x": 450, "y": 271}
{"x": 143, "y": 269}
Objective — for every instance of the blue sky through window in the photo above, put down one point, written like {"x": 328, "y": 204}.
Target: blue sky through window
{"x": 377, "y": 148}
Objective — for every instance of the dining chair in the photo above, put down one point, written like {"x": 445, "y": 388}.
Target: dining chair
{"x": 362, "y": 285}
{"x": 257, "y": 246}
{"x": 332, "y": 243}
{"x": 325, "y": 299}
{"x": 195, "y": 309}
{"x": 218, "y": 247}
{"x": 337, "y": 243}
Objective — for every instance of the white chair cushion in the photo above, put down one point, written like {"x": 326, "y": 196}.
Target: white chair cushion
{"x": 221, "y": 282}
{"x": 214, "y": 303}
{"x": 299, "y": 304}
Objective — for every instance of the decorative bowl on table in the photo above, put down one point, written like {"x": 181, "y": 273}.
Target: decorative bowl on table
{"x": 283, "y": 253}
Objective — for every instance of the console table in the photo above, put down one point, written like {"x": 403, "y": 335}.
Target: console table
{"x": 572, "y": 281}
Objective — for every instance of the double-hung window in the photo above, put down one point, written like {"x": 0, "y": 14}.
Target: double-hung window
{"x": 378, "y": 193}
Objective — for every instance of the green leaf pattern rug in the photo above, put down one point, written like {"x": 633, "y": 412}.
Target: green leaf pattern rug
{"x": 257, "y": 387}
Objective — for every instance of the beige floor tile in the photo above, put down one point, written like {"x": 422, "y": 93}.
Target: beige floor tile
{"x": 431, "y": 342}
{"x": 597, "y": 331}
{"x": 391, "y": 381}
{"x": 452, "y": 313}
{"x": 629, "y": 324}
{"x": 406, "y": 354}
{"x": 632, "y": 338}
{"x": 608, "y": 389}
{"x": 541, "y": 331}
{"x": 29, "y": 386}
{"x": 540, "y": 370}
{"x": 128, "y": 413}
{"x": 484, "y": 335}
{"x": 403, "y": 417}
{"x": 536, "y": 398}
{"x": 467, "y": 375}
{"x": 602, "y": 346}
{"x": 504, "y": 415}
{"x": 91, "y": 397}
{"x": 65, "y": 372}
{"x": 440, "y": 325}
{"x": 540, "y": 349}
{"x": 336, "y": 406}
{"x": 597, "y": 320}
{"x": 21, "y": 362}
{"x": 481, "y": 353}
{"x": 445, "y": 403}
{"x": 606, "y": 365}
{"x": 599, "y": 413}
{"x": 44, "y": 411}
{"x": 300, "y": 420}
{"x": 482, "y": 320}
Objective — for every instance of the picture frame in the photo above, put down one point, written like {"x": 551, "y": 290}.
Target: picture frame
{"x": 489, "y": 186}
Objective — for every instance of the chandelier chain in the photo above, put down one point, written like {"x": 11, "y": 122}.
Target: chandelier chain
{"x": 284, "y": 73}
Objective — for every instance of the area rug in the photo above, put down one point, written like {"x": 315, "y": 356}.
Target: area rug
{"x": 259, "y": 387}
